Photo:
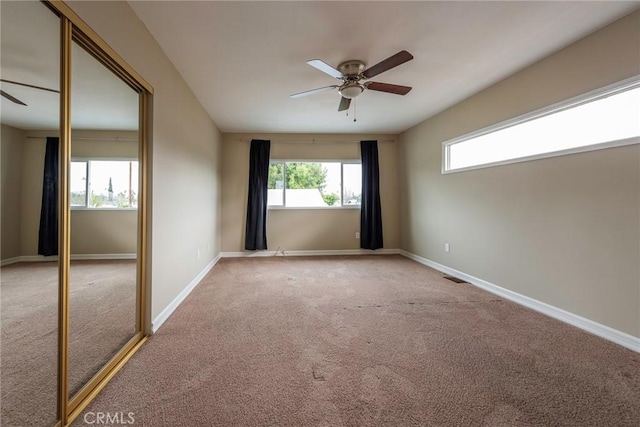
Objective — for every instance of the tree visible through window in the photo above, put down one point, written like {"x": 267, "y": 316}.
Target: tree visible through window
{"x": 108, "y": 184}
{"x": 314, "y": 184}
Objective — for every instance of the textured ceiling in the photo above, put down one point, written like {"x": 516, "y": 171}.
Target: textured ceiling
{"x": 244, "y": 59}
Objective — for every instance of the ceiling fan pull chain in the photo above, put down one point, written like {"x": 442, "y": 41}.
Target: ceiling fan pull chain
{"x": 354, "y": 109}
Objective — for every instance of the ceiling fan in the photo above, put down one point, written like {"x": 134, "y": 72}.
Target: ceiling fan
{"x": 353, "y": 72}
{"x": 16, "y": 100}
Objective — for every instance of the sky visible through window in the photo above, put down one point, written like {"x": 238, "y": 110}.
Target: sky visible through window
{"x": 122, "y": 174}
{"x": 612, "y": 118}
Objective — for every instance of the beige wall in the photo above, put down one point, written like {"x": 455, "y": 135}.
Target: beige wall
{"x": 32, "y": 172}
{"x": 104, "y": 232}
{"x": 185, "y": 156}
{"x": 104, "y": 144}
{"x": 563, "y": 230}
{"x": 11, "y": 181}
{"x": 305, "y": 229}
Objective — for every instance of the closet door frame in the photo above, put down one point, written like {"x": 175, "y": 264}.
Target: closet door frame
{"x": 74, "y": 29}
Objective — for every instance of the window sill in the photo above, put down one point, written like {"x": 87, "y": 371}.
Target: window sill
{"x": 329, "y": 208}
{"x": 80, "y": 208}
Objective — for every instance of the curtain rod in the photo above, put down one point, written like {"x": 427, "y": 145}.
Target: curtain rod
{"x": 95, "y": 138}
{"x": 314, "y": 141}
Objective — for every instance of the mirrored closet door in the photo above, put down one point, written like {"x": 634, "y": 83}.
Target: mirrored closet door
{"x": 74, "y": 165}
{"x": 30, "y": 118}
{"x": 104, "y": 190}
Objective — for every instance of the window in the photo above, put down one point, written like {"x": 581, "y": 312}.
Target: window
{"x": 104, "y": 184}
{"x": 604, "y": 118}
{"x": 314, "y": 184}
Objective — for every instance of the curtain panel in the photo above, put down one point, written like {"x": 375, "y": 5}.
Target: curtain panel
{"x": 370, "y": 211}
{"x": 48, "y": 232}
{"x": 256, "y": 226}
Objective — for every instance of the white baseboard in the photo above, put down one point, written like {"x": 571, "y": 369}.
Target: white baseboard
{"x": 268, "y": 253}
{"x": 76, "y": 257}
{"x": 9, "y": 261}
{"x": 102, "y": 256}
{"x": 38, "y": 258}
{"x": 168, "y": 310}
{"x": 606, "y": 332}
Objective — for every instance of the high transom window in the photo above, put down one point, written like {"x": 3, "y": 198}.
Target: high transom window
{"x": 604, "y": 118}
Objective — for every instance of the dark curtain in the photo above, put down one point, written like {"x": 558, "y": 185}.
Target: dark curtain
{"x": 48, "y": 235}
{"x": 256, "y": 230}
{"x": 370, "y": 212}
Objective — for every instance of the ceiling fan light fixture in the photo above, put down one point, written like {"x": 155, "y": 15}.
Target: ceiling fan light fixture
{"x": 351, "y": 90}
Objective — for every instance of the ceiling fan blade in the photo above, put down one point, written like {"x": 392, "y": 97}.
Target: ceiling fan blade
{"x": 325, "y": 68}
{"x": 389, "y": 88}
{"x": 312, "y": 91}
{"x": 344, "y": 104}
{"x": 12, "y": 98}
{"x": 392, "y": 61}
{"x": 31, "y": 86}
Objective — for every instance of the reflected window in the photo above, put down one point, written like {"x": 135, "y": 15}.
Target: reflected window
{"x": 104, "y": 184}
{"x": 78, "y": 184}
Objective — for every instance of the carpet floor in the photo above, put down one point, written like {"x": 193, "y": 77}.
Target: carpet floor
{"x": 102, "y": 308}
{"x": 366, "y": 341}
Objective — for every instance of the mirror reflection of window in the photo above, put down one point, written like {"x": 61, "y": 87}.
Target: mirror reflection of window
{"x": 110, "y": 184}
{"x": 78, "y": 183}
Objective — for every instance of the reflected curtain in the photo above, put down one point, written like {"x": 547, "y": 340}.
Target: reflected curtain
{"x": 370, "y": 211}
{"x": 256, "y": 227}
{"x": 48, "y": 233}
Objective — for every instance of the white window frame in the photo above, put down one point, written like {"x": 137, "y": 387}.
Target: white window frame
{"x": 88, "y": 160}
{"x": 284, "y": 192}
{"x": 603, "y": 92}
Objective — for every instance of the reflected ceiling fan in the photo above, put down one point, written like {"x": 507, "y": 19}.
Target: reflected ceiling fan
{"x": 16, "y": 100}
{"x": 353, "y": 72}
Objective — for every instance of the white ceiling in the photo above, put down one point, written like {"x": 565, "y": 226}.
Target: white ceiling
{"x": 244, "y": 59}
{"x": 30, "y": 52}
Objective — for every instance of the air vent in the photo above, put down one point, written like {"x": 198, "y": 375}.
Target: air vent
{"x": 454, "y": 279}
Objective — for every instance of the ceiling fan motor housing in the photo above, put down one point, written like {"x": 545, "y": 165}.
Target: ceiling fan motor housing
{"x": 351, "y": 71}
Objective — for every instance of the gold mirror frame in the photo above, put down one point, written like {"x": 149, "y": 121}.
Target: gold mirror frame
{"x": 75, "y": 29}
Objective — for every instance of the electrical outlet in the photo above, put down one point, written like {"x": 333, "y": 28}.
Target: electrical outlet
{"x": 357, "y": 234}
{"x": 447, "y": 248}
